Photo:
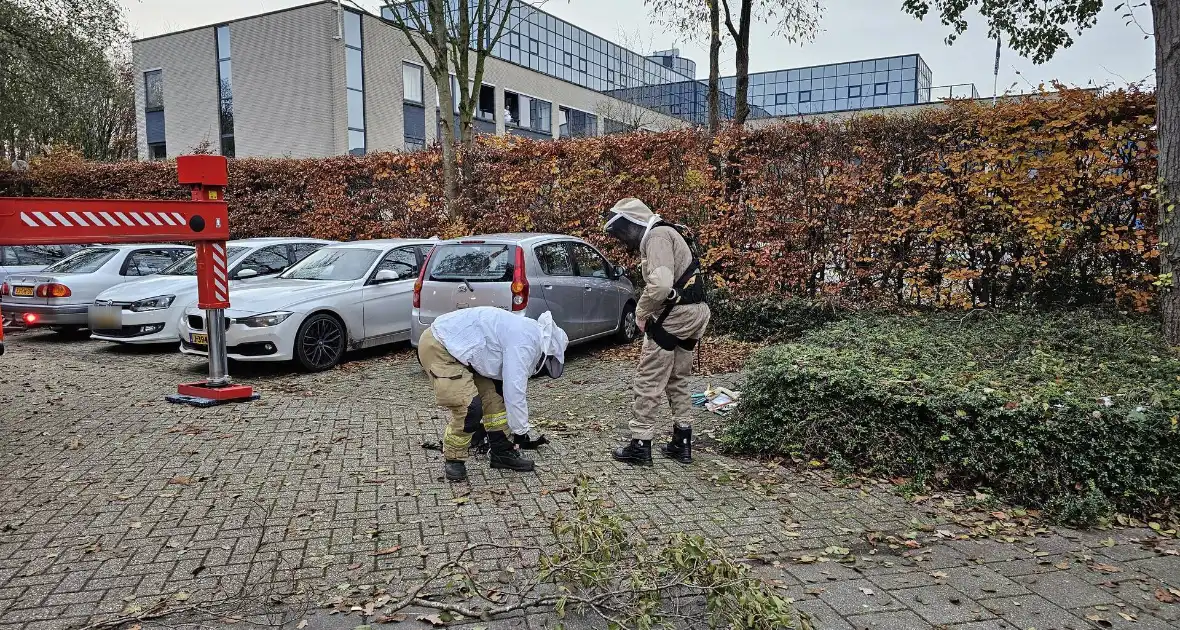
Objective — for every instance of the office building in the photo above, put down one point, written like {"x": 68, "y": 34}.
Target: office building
{"x": 322, "y": 79}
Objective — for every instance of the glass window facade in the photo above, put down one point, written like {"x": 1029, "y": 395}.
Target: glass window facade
{"x": 574, "y": 123}
{"x": 413, "y": 108}
{"x": 901, "y": 80}
{"x": 527, "y": 112}
{"x": 412, "y": 83}
{"x": 354, "y": 82}
{"x": 539, "y": 41}
{"x": 153, "y": 106}
{"x": 225, "y": 108}
{"x": 665, "y": 82}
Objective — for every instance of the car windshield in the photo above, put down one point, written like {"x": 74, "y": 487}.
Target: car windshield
{"x": 471, "y": 262}
{"x": 334, "y": 263}
{"x": 85, "y": 261}
{"x": 187, "y": 266}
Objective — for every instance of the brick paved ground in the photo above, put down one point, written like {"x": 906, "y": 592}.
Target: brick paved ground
{"x": 111, "y": 499}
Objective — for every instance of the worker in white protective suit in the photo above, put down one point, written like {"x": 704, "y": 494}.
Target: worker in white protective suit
{"x": 480, "y": 360}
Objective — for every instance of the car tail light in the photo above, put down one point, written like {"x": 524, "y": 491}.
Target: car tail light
{"x": 520, "y": 282}
{"x": 30, "y": 319}
{"x": 53, "y": 290}
{"x": 421, "y": 278}
{"x": 3, "y": 288}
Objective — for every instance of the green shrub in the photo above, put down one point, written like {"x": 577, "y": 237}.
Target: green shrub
{"x": 1074, "y": 412}
{"x": 775, "y": 319}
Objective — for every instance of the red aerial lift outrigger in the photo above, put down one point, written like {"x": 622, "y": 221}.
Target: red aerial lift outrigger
{"x": 203, "y": 220}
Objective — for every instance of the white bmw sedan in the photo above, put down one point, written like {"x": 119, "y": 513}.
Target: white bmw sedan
{"x": 60, "y": 295}
{"x": 342, "y": 297}
{"x": 147, "y": 311}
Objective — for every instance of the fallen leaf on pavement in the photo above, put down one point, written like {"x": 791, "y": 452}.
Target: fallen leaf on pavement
{"x": 394, "y": 618}
{"x": 387, "y": 550}
{"x": 1100, "y": 620}
{"x": 1165, "y": 596}
{"x": 1106, "y": 568}
{"x": 866, "y": 591}
{"x": 181, "y": 481}
{"x": 180, "y": 596}
{"x": 434, "y": 620}
{"x": 301, "y": 625}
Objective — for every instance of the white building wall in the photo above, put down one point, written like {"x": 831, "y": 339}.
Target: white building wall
{"x": 289, "y": 94}
{"x": 188, "y": 64}
{"x": 288, "y": 84}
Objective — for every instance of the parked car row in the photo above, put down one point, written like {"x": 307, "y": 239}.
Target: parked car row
{"x": 311, "y": 301}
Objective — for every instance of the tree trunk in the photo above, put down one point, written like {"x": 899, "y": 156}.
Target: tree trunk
{"x": 446, "y": 120}
{"x": 742, "y": 108}
{"x": 437, "y": 38}
{"x": 1167, "y": 78}
{"x": 714, "y": 67}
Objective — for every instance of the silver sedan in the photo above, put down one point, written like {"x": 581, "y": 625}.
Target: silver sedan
{"x": 60, "y": 295}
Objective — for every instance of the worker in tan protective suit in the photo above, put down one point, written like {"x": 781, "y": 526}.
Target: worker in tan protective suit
{"x": 673, "y": 315}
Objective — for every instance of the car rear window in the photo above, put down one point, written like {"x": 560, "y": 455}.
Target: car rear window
{"x": 85, "y": 261}
{"x": 472, "y": 262}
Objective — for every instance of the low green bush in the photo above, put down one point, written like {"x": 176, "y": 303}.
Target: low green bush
{"x": 767, "y": 319}
{"x": 1072, "y": 412}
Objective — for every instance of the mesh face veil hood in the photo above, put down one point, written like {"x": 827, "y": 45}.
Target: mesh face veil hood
{"x": 553, "y": 344}
{"x": 629, "y": 221}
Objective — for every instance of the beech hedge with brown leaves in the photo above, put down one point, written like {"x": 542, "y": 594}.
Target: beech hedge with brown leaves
{"x": 1035, "y": 202}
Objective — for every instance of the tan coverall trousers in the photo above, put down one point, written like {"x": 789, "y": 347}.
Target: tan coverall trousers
{"x": 471, "y": 398}
{"x": 664, "y": 374}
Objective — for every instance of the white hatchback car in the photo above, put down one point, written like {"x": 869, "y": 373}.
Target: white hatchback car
{"x": 342, "y": 297}
{"x": 147, "y": 311}
{"x": 60, "y": 295}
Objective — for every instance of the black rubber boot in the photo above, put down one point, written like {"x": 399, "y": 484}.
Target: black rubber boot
{"x": 455, "y": 470}
{"x": 680, "y": 448}
{"x": 504, "y": 454}
{"x": 637, "y": 452}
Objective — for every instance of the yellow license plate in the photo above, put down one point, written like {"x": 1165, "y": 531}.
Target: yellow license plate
{"x": 200, "y": 340}
{"x": 22, "y": 291}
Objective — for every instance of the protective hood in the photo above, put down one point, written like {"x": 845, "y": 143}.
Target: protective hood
{"x": 553, "y": 343}
{"x": 630, "y": 220}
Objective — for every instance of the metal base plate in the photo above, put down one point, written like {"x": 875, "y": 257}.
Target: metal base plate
{"x": 202, "y": 394}
{"x": 198, "y": 401}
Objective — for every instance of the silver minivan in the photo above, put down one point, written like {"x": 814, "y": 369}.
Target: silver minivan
{"x": 528, "y": 274}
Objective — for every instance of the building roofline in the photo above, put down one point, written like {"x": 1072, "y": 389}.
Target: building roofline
{"x": 241, "y": 19}
{"x": 836, "y": 63}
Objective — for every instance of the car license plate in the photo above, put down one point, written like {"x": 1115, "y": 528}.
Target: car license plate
{"x": 107, "y": 317}
{"x": 200, "y": 340}
{"x": 22, "y": 291}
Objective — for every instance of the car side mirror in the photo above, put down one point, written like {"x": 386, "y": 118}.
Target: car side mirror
{"x": 246, "y": 273}
{"x": 385, "y": 275}
{"x": 620, "y": 271}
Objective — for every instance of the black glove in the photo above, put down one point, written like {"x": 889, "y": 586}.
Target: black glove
{"x": 528, "y": 444}
{"x": 479, "y": 441}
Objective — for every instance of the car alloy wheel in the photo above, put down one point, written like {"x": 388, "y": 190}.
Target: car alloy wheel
{"x": 320, "y": 342}
{"x": 628, "y": 326}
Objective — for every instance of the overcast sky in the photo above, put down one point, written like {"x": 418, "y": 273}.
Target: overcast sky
{"x": 1110, "y": 53}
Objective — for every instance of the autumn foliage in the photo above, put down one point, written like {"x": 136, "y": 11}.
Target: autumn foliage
{"x": 1037, "y": 201}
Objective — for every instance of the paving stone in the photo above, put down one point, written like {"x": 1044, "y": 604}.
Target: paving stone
{"x": 288, "y": 494}
{"x": 855, "y": 597}
{"x": 1032, "y": 612}
{"x": 941, "y": 604}
{"x": 1068, "y": 590}
{"x": 899, "y": 620}
{"x": 981, "y": 582}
